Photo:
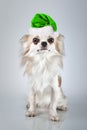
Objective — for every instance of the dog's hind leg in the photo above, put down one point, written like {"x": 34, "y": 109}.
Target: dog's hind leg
{"x": 62, "y": 99}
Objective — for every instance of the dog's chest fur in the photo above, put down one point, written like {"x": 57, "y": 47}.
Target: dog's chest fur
{"x": 44, "y": 71}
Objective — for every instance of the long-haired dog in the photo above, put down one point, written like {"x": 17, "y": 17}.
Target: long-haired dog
{"x": 42, "y": 56}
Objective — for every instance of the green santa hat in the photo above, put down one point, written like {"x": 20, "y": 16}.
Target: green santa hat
{"x": 42, "y": 24}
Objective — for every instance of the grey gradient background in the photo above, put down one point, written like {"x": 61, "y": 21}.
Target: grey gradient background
{"x": 71, "y": 18}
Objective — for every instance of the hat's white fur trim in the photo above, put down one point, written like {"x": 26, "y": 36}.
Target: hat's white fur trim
{"x": 47, "y": 30}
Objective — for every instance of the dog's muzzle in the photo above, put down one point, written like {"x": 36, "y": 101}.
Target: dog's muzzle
{"x": 44, "y": 44}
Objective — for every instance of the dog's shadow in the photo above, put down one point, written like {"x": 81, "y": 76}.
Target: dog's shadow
{"x": 42, "y": 122}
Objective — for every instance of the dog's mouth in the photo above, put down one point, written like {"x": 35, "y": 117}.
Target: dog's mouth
{"x": 42, "y": 49}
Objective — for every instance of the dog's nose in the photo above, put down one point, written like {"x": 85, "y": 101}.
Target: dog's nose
{"x": 44, "y": 44}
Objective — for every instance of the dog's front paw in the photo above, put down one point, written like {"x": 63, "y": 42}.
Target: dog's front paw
{"x": 30, "y": 113}
{"x": 54, "y": 118}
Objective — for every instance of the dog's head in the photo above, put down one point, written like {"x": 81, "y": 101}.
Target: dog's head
{"x": 40, "y": 44}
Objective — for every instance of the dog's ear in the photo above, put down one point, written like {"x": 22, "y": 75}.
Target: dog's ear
{"x": 25, "y": 43}
{"x": 60, "y": 44}
{"x": 24, "y": 40}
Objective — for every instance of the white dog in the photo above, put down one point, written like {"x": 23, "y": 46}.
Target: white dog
{"x": 42, "y": 56}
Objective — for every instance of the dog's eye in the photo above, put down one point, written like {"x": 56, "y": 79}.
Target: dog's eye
{"x": 50, "y": 40}
{"x": 36, "y": 40}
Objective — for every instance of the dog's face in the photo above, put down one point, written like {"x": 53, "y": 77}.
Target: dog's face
{"x": 39, "y": 44}
{"x": 42, "y": 44}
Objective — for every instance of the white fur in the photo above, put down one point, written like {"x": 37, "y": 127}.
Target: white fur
{"x": 44, "y": 76}
{"x": 44, "y": 89}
